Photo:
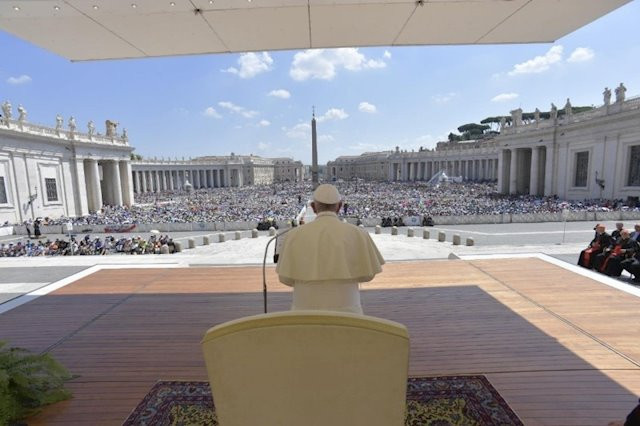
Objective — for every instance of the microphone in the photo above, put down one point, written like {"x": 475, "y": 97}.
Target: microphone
{"x": 264, "y": 266}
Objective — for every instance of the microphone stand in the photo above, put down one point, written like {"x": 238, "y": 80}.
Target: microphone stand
{"x": 264, "y": 266}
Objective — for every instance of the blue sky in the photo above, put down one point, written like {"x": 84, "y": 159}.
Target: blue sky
{"x": 366, "y": 99}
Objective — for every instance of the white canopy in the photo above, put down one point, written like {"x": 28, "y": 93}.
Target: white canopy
{"x": 107, "y": 29}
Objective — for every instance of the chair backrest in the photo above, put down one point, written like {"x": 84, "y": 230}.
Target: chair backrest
{"x": 307, "y": 368}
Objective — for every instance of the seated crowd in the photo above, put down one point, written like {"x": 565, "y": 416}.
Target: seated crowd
{"x": 88, "y": 246}
{"x": 364, "y": 200}
{"x": 611, "y": 254}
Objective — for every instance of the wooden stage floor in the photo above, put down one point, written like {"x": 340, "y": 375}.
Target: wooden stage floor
{"x": 560, "y": 348}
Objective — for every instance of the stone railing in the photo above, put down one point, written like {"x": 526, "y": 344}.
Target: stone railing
{"x": 49, "y": 132}
{"x": 629, "y": 104}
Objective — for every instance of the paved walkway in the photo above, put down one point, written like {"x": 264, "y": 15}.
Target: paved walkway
{"x": 16, "y": 281}
{"x": 23, "y": 275}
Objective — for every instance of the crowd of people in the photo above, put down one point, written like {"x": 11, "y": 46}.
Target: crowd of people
{"x": 362, "y": 200}
{"x": 400, "y": 199}
{"x": 88, "y": 246}
{"x": 613, "y": 253}
{"x": 250, "y": 203}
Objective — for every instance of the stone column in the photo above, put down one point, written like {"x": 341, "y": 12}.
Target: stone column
{"x": 513, "y": 175}
{"x": 82, "y": 196}
{"x": 548, "y": 171}
{"x": 157, "y": 179}
{"x": 138, "y": 182}
{"x": 196, "y": 179}
{"x": 116, "y": 184}
{"x": 126, "y": 182}
{"x": 533, "y": 179}
{"x": 501, "y": 177}
{"x": 93, "y": 171}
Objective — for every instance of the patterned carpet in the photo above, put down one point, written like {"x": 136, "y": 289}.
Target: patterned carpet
{"x": 431, "y": 401}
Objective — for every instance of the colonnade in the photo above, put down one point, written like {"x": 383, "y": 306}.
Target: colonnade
{"x": 476, "y": 169}
{"x": 106, "y": 182}
{"x": 159, "y": 180}
{"x": 526, "y": 170}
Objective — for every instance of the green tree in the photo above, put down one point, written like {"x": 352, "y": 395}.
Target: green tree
{"x": 454, "y": 138}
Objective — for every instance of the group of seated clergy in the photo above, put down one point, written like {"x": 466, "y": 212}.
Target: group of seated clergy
{"x": 611, "y": 254}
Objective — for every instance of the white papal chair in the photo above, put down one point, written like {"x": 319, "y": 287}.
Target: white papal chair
{"x": 308, "y": 368}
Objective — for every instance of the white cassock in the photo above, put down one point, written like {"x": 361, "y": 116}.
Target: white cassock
{"x": 324, "y": 261}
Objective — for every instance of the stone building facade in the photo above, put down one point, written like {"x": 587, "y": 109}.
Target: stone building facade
{"x": 471, "y": 160}
{"x": 595, "y": 154}
{"x": 158, "y": 175}
{"x": 288, "y": 170}
{"x": 588, "y": 155}
{"x": 55, "y": 171}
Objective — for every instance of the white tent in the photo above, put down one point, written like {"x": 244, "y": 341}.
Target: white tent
{"x": 83, "y": 30}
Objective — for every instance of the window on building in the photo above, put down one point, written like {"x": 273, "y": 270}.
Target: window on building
{"x": 3, "y": 191}
{"x": 52, "y": 189}
{"x": 634, "y": 166}
{"x": 582, "y": 169}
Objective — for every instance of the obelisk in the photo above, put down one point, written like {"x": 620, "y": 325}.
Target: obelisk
{"x": 314, "y": 152}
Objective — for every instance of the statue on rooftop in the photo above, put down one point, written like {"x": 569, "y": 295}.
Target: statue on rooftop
{"x": 620, "y": 93}
{"x": 516, "y": 117}
{"x": 6, "y": 112}
{"x": 503, "y": 123}
{"x": 111, "y": 127}
{"x": 607, "y": 96}
{"x": 91, "y": 128}
{"x": 59, "y": 122}
{"x": 22, "y": 114}
{"x": 72, "y": 127}
{"x": 536, "y": 115}
{"x": 554, "y": 112}
{"x": 568, "y": 110}
{"x": 125, "y": 136}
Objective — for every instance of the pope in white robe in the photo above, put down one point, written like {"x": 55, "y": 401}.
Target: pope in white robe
{"x": 325, "y": 260}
